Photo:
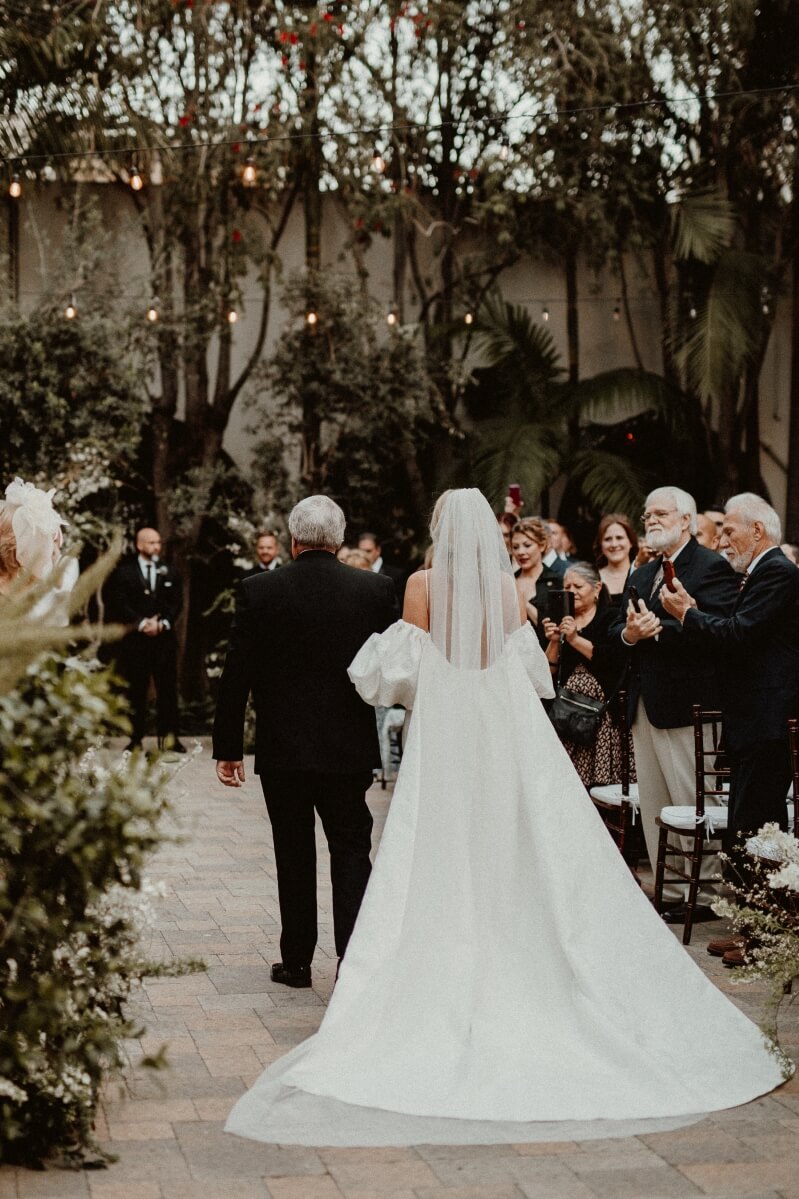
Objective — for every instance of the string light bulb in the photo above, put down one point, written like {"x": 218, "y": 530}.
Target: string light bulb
{"x": 617, "y": 312}
{"x": 545, "y": 314}
{"x": 232, "y": 316}
{"x": 135, "y": 180}
{"x": 152, "y": 312}
{"x": 504, "y": 149}
{"x": 378, "y": 162}
{"x": 71, "y": 310}
{"x": 249, "y": 172}
{"x": 692, "y": 312}
{"x": 311, "y": 318}
{"x": 392, "y": 317}
{"x": 787, "y": 120}
{"x": 15, "y": 187}
{"x": 468, "y": 318}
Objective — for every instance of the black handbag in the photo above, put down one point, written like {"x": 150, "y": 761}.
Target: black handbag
{"x": 577, "y": 717}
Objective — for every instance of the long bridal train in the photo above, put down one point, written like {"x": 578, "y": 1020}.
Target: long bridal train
{"x": 507, "y": 980}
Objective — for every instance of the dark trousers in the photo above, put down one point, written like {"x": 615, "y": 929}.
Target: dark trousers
{"x": 143, "y": 658}
{"x": 292, "y": 798}
{"x": 759, "y": 779}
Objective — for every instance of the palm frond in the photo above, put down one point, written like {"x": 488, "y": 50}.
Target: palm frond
{"x": 506, "y": 451}
{"x": 728, "y": 327}
{"x": 609, "y": 482}
{"x": 621, "y": 394}
{"x": 702, "y": 226}
{"x": 507, "y": 334}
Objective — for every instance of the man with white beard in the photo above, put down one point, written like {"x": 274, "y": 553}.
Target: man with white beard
{"x": 670, "y": 672}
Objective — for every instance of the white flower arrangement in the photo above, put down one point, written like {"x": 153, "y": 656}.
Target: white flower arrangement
{"x": 765, "y": 914}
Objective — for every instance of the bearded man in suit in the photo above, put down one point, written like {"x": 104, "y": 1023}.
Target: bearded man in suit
{"x": 759, "y": 654}
{"x": 146, "y": 595}
{"x": 295, "y": 632}
{"x": 669, "y": 673}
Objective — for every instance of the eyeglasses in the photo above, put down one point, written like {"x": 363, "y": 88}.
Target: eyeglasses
{"x": 656, "y": 514}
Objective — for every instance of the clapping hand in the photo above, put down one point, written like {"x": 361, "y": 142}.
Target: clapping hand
{"x": 151, "y": 627}
{"x": 677, "y": 601}
{"x": 641, "y": 623}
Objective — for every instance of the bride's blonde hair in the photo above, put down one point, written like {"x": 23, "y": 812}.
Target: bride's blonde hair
{"x": 9, "y": 564}
{"x": 437, "y": 510}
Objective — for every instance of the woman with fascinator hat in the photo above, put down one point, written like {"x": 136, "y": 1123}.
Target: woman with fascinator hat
{"x": 30, "y": 535}
{"x": 507, "y": 980}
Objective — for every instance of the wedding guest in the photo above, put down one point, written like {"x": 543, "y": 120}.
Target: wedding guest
{"x": 534, "y": 580}
{"x": 267, "y": 551}
{"x": 590, "y": 662}
{"x": 669, "y": 673}
{"x": 615, "y": 548}
{"x": 30, "y": 534}
{"x": 369, "y": 544}
{"x": 146, "y": 596}
{"x": 560, "y": 539}
{"x": 343, "y": 553}
{"x": 706, "y": 532}
{"x": 757, "y": 645}
{"x": 359, "y": 559}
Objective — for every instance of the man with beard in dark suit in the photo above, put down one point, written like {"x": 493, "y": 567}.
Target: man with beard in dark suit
{"x": 295, "y": 632}
{"x": 146, "y": 595}
{"x": 669, "y": 673}
{"x": 758, "y": 648}
{"x": 369, "y": 544}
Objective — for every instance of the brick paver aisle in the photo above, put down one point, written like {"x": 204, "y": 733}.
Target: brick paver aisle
{"x": 223, "y": 1026}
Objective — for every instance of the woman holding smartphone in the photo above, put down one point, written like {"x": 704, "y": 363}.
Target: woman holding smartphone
{"x": 590, "y": 663}
{"x": 534, "y": 581}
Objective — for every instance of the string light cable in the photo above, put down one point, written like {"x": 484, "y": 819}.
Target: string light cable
{"x": 375, "y": 131}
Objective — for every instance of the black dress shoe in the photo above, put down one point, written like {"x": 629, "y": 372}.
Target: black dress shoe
{"x": 702, "y": 913}
{"x": 171, "y": 745}
{"x": 298, "y": 976}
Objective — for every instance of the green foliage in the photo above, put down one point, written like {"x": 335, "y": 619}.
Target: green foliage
{"x": 75, "y": 833}
{"x": 353, "y": 401}
{"x": 525, "y": 412}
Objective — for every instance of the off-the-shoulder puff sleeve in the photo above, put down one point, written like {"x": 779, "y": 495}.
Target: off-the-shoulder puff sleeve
{"x": 526, "y": 645}
{"x": 386, "y": 667}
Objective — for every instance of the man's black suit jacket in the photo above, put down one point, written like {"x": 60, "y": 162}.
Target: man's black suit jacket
{"x": 130, "y": 599}
{"x": 758, "y": 647}
{"x": 675, "y": 672}
{"x": 294, "y": 634}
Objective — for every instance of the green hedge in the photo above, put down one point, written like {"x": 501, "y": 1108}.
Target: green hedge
{"x": 76, "y": 828}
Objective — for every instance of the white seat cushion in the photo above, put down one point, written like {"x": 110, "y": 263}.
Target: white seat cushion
{"x": 684, "y": 817}
{"x": 611, "y": 794}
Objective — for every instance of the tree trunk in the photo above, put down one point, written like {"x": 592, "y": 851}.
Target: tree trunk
{"x": 572, "y": 337}
{"x": 312, "y": 196}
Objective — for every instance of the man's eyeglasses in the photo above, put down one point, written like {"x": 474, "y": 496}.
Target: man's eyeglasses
{"x": 656, "y": 514}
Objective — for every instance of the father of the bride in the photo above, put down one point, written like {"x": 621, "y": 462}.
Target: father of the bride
{"x": 294, "y": 634}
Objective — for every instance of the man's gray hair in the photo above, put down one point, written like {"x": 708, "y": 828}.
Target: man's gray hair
{"x": 751, "y": 507}
{"x": 318, "y": 522}
{"x": 683, "y": 502}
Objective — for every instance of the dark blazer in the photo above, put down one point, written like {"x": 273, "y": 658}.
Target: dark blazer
{"x": 130, "y": 599}
{"x": 675, "y": 672}
{"x": 758, "y": 648}
{"x": 398, "y": 577}
{"x": 294, "y": 634}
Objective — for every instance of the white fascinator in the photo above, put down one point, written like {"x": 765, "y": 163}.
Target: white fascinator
{"x": 36, "y": 526}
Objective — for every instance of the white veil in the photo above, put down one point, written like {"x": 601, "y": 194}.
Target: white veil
{"x": 473, "y": 602}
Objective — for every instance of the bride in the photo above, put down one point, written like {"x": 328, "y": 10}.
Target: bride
{"x": 506, "y": 980}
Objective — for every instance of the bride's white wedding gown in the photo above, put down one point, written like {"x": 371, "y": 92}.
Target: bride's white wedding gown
{"x": 506, "y": 972}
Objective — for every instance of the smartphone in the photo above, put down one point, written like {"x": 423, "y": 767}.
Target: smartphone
{"x": 560, "y": 603}
{"x": 515, "y": 494}
{"x": 668, "y": 574}
{"x": 634, "y": 596}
